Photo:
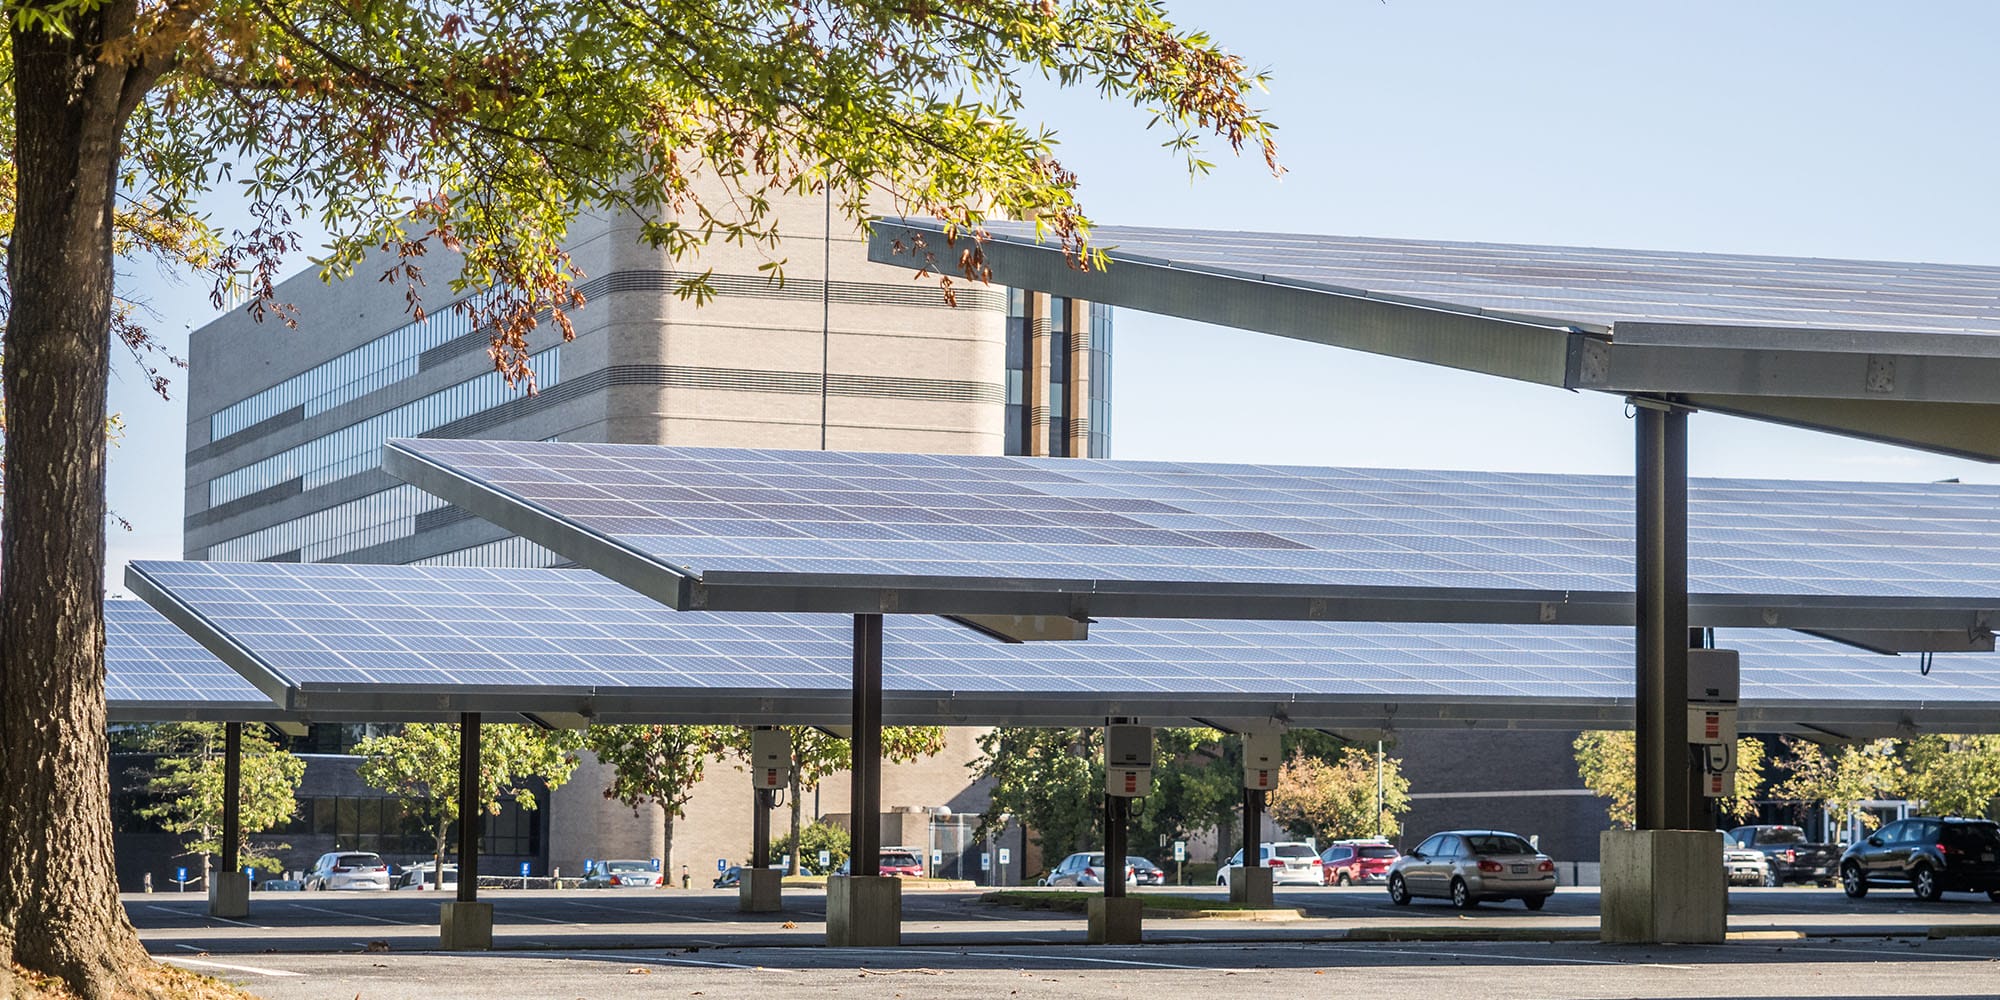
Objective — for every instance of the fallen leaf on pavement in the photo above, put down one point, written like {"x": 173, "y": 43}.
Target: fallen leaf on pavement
{"x": 638, "y": 970}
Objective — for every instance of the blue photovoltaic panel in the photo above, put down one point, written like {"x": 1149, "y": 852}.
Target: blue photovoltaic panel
{"x": 345, "y": 637}
{"x": 699, "y": 512}
{"x": 1569, "y": 285}
{"x": 149, "y": 665}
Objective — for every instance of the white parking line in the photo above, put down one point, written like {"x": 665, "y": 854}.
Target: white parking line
{"x": 1529, "y": 959}
{"x": 253, "y": 970}
{"x": 653, "y": 961}
{"x": 225, "y": 920}
{"x": 344, "y": 913}
{"x": 1098, "y": 961}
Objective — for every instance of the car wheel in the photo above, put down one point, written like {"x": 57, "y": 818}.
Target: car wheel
{"x": 1852, "y": 881}
{"x": 1924, "y": 883}
{"x": 1222, "y": 880}
{"x": 1344, "y": 880}
{"x": 1461, "y": 895}
{"x": 1771, "y": 879}
{"x": 1399, "y": 893}
{"x": 1534, "y": 902}
{"x": 1993, "y": 895}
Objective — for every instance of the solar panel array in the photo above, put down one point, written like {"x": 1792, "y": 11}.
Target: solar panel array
{"x": 444, "y": 629}
{"x": 701, "y": 511}
{"x": 1563, "y": 285}
{"x": 150, "y": 664}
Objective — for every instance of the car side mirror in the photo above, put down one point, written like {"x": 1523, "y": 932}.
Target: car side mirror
{"x": 1875, "y": 842}
{"x": 1419, "y": 855}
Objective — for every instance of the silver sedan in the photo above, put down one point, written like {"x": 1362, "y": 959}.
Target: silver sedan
{"x": 1471, "y": 866}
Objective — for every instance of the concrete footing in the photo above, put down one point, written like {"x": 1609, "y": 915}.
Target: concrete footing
{"x": 1114, "y": 921}
{"x": 465, "y": 927}
{"x": 866, "y": 911}
{"x": 1663, "y": 886}
{"x": 1251, "y": 886}
{"x": 760, "y": 891}
{"x": 228, "y": 894}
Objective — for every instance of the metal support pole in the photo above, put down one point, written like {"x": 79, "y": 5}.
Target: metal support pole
{"x": 232, "y": 794}
{"x": 1115, "y": 836}
{"x": 866, "y": 787}
{"x": 1378, "y": 788}
{"x": 1253, "y": 826}
{"x": 760, "y": 832}
{"x": 1661, "y": 630}
{"x": 468, "y": 809}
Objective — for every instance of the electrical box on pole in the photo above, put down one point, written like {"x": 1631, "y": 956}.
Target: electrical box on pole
{"x": 1714, "y": 681}
{"x": 1263, "y": 754}
{"x": 770, "y": 759}
{"x": 1128, "y": 761}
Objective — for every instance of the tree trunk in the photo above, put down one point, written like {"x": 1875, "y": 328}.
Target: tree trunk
{"x": 56, "y": 896}
{"x": 798, "y": 849}
{"x": 667, "y": 849}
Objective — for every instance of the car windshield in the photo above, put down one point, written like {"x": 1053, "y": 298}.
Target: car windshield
{"x": 1781, "y": 835}
{"x": 1141, "y": 863}
{"x": 1293, "y": 851}
{"x": 1497, "y": 843}
{"x": 627, "y": 866}
{"x": 358, "y": 861}
{"x": 899, "y": 860}
{"x": 1980, "y": 836}
{"x": 1378, "y": 852}
{"x": 1096, "y": 861}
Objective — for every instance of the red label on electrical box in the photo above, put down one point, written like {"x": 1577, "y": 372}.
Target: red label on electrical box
{"x": 1712, "y": 725}
{"x": 1132, "y": 782}
{"x": 771, "y": 776}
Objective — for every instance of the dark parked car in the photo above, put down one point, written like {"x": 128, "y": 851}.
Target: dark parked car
{"x": 1792, "y": 856}
{"x": 1931, "y": 855}
{"x": 1145, "y": 872}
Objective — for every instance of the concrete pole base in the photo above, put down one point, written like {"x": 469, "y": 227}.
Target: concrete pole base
{"x": 865, "y": 911}
{"x": 1663, "y": 886}
{"x": 1251, "y": 886}
{"x": 1114, "y": 921}
{"x": 228, "y": 894}
{"x": 465, "y": 927}
{"x": 760, "y": 891}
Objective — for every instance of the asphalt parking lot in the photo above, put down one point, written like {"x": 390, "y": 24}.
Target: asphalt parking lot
{"x": 173, "y": 924}
{"x": 1380, "y": 971}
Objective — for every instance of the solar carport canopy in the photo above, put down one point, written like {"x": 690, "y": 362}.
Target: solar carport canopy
{"x": 734, "y": 529}
{"x": 154, "y": 672}
{"x": 376, "y": 640}
{"x": 1907, "y": 353}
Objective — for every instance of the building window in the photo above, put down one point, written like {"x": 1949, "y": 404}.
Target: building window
{"x": 1059, "y": 340}
{"x": 1016, "y": 417}
{"x": 1100, "y": 380}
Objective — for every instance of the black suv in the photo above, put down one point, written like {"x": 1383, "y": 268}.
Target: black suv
{"x": 1930, "y": 855}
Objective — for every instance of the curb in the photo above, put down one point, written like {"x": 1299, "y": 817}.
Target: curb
{"x": 1273, "y": 916}
{"x": 1942, "y": 931}
{"x": 1448, "y": 933}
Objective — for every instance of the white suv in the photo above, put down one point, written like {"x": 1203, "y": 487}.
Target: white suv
{"x": 1292, "y": 862}
{"x": 348, "y": 870}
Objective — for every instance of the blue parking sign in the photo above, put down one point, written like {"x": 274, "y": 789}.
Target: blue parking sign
{"x": 250, "y": 871}
{"x": 722, "y": 864}
{"x": 588, "y": 864}
{"x": 524, "y": 869}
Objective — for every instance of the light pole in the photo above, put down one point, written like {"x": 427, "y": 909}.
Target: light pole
{"x": 1378, "y": 789}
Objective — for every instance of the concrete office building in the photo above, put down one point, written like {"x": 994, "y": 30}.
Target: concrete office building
{"x": 285, "y": 429}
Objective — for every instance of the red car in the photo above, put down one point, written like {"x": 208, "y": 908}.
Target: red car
{"x": 894, "y": 861}
{"x": 1350, "y": 861}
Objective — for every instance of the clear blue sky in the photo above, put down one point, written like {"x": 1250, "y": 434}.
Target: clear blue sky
{"x": 1813, "y": 127}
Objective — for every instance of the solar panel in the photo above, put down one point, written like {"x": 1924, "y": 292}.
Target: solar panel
{"x": 153, "y": 672}
{"x": 727, "y": 529}
{"x": 1569, "y": 285}
{"x": 379, "y": 639}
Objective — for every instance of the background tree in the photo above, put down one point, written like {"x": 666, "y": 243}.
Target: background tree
{"x": 1335, "y": 800}
{"x": 1197, "y": 787}
{"x": 1952, "y": 775}
{"x": 484, "y": 128}
{"x": 657, "y": 765}
{"x": 1839, "y": 780}
{"x": 1606, "y": 761}
{"x": 420, "y": 766}
{"x": 818, "y": 755}
{"x": 185, "y": 779}
{"x": 1050, "y": 780}
{"x": 815, "y": 837}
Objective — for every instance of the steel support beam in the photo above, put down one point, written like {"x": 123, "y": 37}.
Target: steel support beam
{"x": 866, "y": 743}
{"x": 760, "y": 832}
{"x": 1253, "y": 826}
{"x": 1116, "y": 836}
{"x": 468, "y": 809}
{"x": 232, "y": 794}
{"x": 1661, "y": 633}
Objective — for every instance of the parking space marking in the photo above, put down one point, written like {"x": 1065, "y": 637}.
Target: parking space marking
{"x": 253, "y": 970}
{"x": 357, "y": 916}
{"x": 1528, "y": 959}
{"x": 652, "y": 961}
{"x": 1100, "y": 961}
{"x": 204, "y": 916}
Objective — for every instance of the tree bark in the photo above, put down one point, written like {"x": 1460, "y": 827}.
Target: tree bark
{"x": 56, "y": 895}
{"x": 798, "y": 849}
{"x": 667, "y": 848}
